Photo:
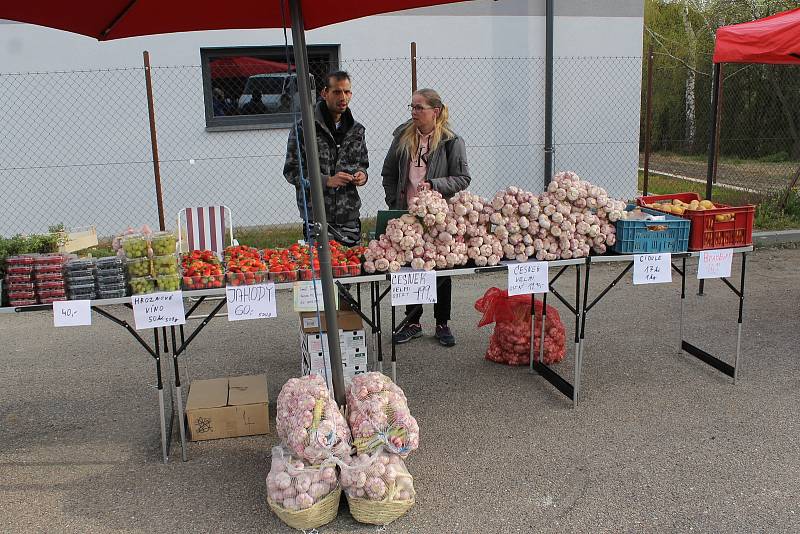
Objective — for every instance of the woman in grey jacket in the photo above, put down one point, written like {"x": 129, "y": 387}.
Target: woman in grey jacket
{"x": 425, "y": 152}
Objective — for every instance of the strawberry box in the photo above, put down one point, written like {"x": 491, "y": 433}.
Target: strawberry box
{"x": 20, "y": 269}
{"x": 283, "y": 276}
{"x": 22, "y": 302}
{"x": 18, "y": 278}
{"x": 203, "y": 282}
{"x": 247, "y": 278}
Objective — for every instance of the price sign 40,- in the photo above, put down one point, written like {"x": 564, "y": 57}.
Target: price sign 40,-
{"x": 72, "y": 313}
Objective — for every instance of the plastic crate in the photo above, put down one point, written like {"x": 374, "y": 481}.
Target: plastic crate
{"x": 641, "y": 237}
{"x": 707, "y": 231}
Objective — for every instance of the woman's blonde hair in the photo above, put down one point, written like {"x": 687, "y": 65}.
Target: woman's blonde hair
{"x": 409, "y": 142}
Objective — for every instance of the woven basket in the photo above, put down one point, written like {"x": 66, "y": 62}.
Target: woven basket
{"x": 319, "y": 514}
{"x": 377, "y": 512}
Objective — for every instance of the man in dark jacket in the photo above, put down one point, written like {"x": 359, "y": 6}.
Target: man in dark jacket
{"x": 342, "y": 159}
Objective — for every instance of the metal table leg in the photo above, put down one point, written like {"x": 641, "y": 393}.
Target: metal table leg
{"x": 537, "y": 357}
{"x": 160, "y": 387}
{"x": 540, "y": 356}
{"x": 178, "y": 394}
{"x": 739, "y": 320}
{"x": 578, "y": 361}
{"x": 156, "y": 354}
{"x": 394, "y": 348}
{"x": 582, "y": 347}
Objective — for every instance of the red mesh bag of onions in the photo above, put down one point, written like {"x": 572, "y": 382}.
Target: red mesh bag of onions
{"x": 510, "y": 342}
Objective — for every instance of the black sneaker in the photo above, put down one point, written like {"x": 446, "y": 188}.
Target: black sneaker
{"x": 445, "y": 336}
{"x": 410, "y": 331}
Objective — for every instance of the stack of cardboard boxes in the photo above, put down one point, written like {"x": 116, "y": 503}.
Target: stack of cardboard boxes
{"x": 228, "y": 407}
{"x": 352, "y": 342}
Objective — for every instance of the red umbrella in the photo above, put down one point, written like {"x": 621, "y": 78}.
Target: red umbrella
{"x": 245, "y": 66}
{"x": 116, "y": 19}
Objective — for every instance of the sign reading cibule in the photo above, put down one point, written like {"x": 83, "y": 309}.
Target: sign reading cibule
{"x": 413, "y": 287}
{"x": 158, "y": 309}
{"x": 251, "y": 302}
{"x": 652, "y": 268}
{"x": 528, "y": 278}
{"x": 72, "y": 313}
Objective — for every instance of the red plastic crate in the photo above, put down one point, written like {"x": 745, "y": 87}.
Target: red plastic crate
{"x": 708, "y": 233}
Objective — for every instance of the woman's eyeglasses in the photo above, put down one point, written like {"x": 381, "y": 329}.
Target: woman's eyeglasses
{"x": 412, "y": 107}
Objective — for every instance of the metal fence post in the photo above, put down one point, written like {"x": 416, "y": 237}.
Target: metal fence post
{"x": 716, "y": 90}
{"x": 154, "y": 139}
{"x": 647, "y": 120}
{"x": 548, "y": 94}
{"x": 413, "y": 67}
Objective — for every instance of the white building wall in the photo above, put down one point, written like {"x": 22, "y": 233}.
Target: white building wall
{"x": 497, "y": 106}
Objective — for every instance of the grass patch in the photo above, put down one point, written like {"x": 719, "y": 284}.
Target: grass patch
{"x": 770, "y": 217}
{"x": 768, "y": 213}
{"x": 284, "y": 235}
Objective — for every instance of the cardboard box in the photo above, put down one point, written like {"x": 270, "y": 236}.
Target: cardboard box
{"x": 348, "y": 320}
{"x": 228, "y": 407}
{"x": 348, "y": 341}
{"x": 353, "y": 363}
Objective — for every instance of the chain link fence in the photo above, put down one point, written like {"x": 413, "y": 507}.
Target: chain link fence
{"x": 759, "y": 137}
{"x": 77, "y": 148}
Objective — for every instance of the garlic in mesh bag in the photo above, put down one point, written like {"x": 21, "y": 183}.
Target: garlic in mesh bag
{"x": 309, "y": 422}
{"x": 378, "y": 415}
{"x": 380, "y": 476}
{"x": 295, "y": 485}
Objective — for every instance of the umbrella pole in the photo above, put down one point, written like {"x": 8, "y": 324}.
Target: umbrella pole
{"x": 317, "y": 199}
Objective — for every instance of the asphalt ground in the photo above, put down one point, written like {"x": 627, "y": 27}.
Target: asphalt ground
{"x": 660, "y": 442}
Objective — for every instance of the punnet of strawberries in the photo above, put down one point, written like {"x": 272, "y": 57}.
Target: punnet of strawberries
{"x": 295, "y": 262}
{"x": 202, "y": 270}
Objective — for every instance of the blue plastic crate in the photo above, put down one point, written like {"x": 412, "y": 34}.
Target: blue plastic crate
{"x": 641, "y": 237}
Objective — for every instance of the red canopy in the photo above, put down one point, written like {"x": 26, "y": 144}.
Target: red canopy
{"x": 244, "y": 67}
{"x": 117, "y": 19}
{"x": 774, "y": 39}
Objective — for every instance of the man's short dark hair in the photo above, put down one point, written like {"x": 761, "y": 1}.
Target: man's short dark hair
{"x": 337, "y": 75}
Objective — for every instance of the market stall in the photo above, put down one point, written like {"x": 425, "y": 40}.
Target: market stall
{"x": 534, "y": 238}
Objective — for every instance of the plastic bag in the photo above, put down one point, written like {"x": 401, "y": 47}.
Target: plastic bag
{"x": 380, "y": 476}
{"x": 309, "y": 422}
{"x": 295, "y": 485}
{"x": 378, "y": 414}
{"x": 510, "y": 342}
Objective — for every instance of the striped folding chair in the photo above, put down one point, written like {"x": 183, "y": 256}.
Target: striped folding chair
{"x": 205, "y": 229}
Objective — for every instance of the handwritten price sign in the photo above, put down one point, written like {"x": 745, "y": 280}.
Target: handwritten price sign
{"x": 415, "y": 287}
{"x": 307, "y": 299}
{"x": 652, "y": 268}
{"x": 528, "y": 278}
{"x": 72, "y": 313}
{"x": 158, "y": 309}
{"x": 715, "y": 264}
{"x": 251, "y": 302}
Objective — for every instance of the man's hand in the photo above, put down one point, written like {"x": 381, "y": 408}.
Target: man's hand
{"x": 359, "y": 178}
{"x": 339, "y": 179}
